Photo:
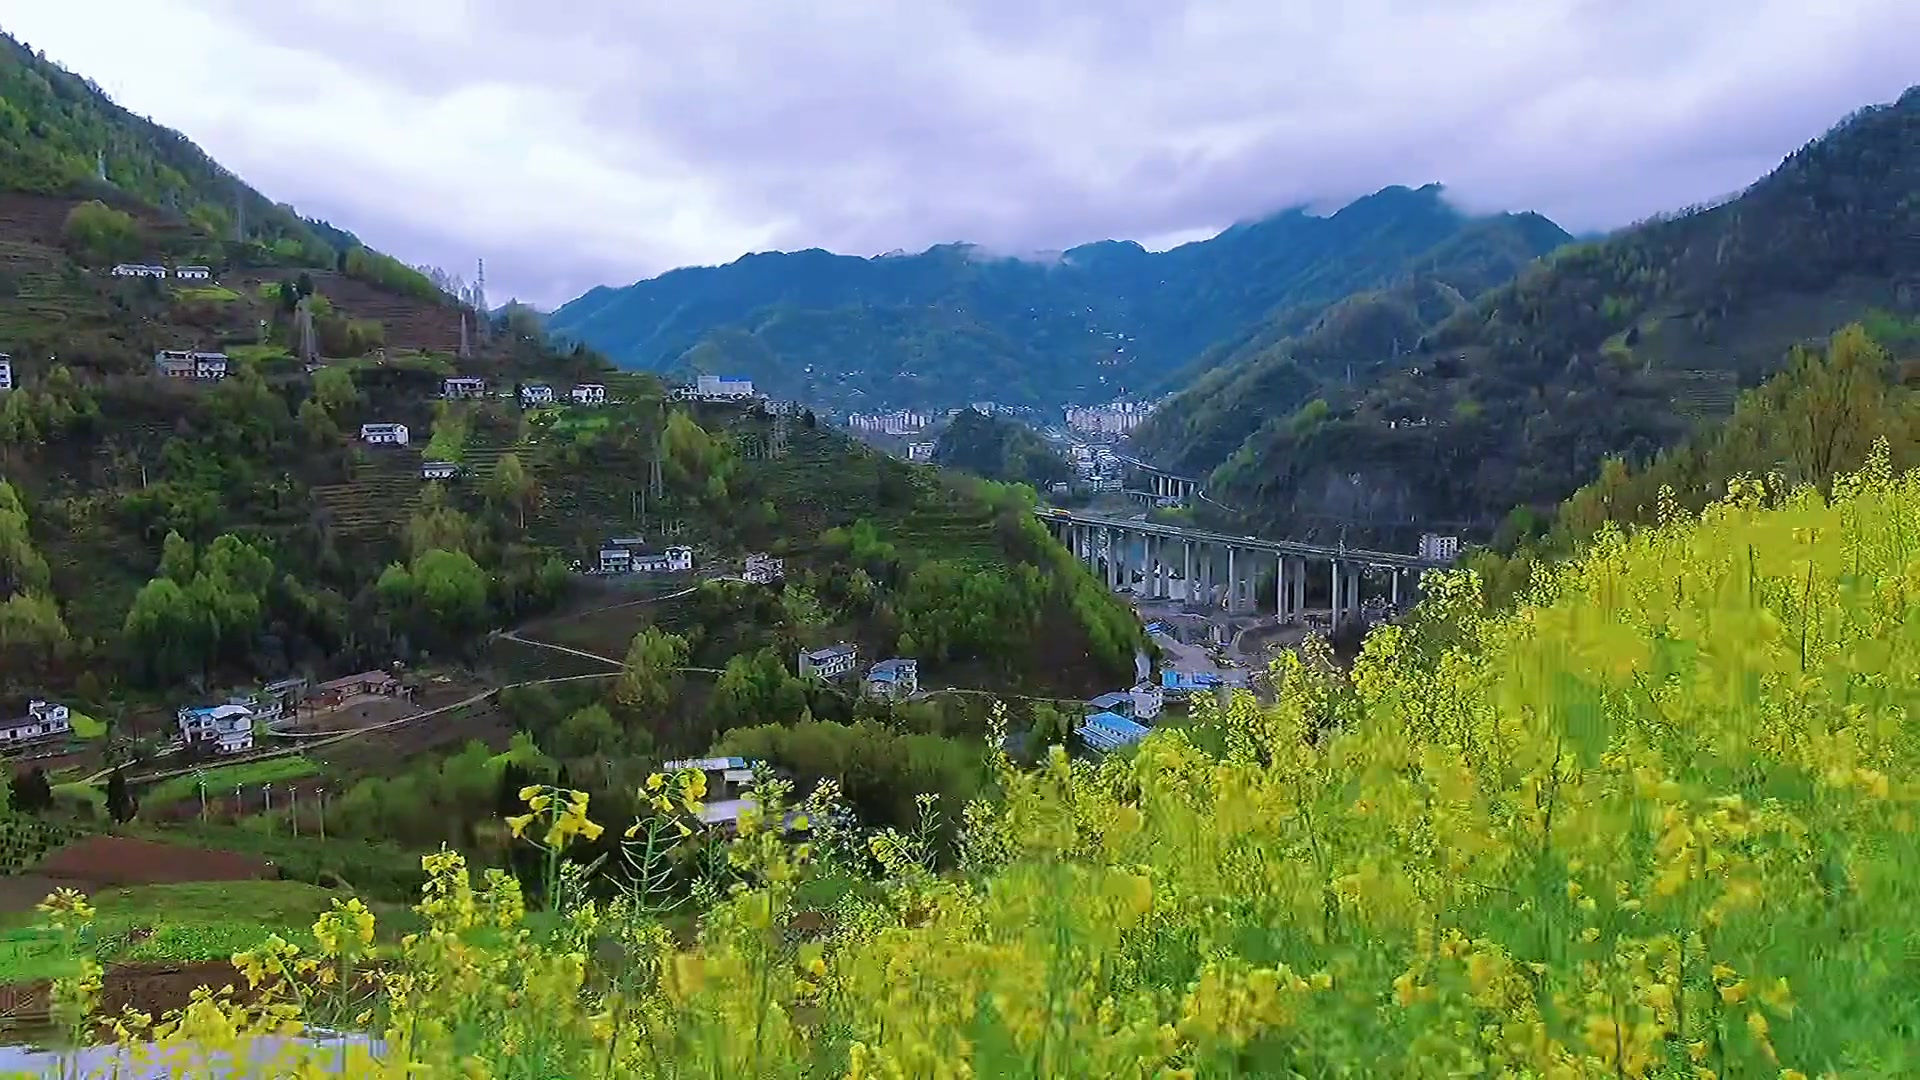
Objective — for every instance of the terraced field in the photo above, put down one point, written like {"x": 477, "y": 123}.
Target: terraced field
{"x": 384, "y": 489}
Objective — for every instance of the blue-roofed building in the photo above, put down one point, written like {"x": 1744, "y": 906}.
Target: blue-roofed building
{"x": 1116, "y": 702}
{"x": 227, "y": 728}
{"x": 896, "y": 679}
{"x": 1181, "y": 683}
{"x": 1106, "y": 732}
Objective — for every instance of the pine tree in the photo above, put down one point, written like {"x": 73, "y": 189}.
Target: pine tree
{"x": 119, "y": 799}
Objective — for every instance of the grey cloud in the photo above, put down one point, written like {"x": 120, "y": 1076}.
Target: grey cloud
{"x": 1024, "y": 125}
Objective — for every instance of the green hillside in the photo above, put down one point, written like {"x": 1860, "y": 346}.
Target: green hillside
{"x": 1615, "y": 348}
{"x": 955, "y": 324}
{"x": 1000, "y": 449}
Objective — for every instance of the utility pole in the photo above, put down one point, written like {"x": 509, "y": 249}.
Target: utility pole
{"x": 465, "y": 347}
{"x": 658, "y": 478}
{"x": 309, "y": 352}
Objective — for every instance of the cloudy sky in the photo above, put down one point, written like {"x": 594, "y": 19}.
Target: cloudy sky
{"x": 601, "y": 141}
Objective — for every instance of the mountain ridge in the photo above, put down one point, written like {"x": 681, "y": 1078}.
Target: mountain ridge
{"x": 1616, "y": 348}
{"x": 1104, "y": 318}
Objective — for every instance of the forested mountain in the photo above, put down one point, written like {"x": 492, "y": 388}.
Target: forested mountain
{"x": 1000, "y": 449}
{"x": 1818, "y": 419}
{"x": 955, "y": 323}
{"x": 61, "y": 136}
{"x": 1616, "y": 348}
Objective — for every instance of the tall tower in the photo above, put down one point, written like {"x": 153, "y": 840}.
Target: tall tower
{"x": 480, "y": 296}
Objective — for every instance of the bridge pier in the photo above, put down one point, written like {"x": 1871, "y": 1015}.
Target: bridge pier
{"x": 1139, "y": 553}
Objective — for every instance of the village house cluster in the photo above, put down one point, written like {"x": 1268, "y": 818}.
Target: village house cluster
{"x": 154, "y": 270}
{"x": 43, "y": 721}
{"x": 229, "y": 726}
{"x": 384, "y": 434}
{"x": 459, "y": 387}
{"x": 189, "y": 364}
{"x": 895, "y": 679}
{"x": 621, "y": 555}
{"x": 764, "y": 569}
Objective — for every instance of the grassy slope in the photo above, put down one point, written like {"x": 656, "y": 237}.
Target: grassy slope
{"x": 161, "y": 923}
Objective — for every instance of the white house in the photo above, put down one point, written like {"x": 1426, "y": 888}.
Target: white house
{"x": 44, "y": 719}
{"x": 187, "y": 364}
{"x": 1148, "y": 699}
{"x": 536, "y": 394}
{"x": 193, "y": 273}
{"x": 1443, "y": 548}
{"x": 438, "y": 470}
{"x": 895, "y": 680}
{"x": 674, "y": 560}
{"x": 384, "y": 434}
{"x": 830, "y": 662}
{"x": 722, "y": 388}
{"x": 6, "y": 372}
{"x": 229, "y": 727}
{"x": 589, "y": 393}
{"x": 139, "y": 270}
{"x": 463, "y": 386}
{"x": 616, "y": 560}
{"x": 763, "y": 568}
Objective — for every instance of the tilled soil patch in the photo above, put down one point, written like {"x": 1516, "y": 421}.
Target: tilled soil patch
{"x": 151, "y": 988}
{"x": 102, "y": 861}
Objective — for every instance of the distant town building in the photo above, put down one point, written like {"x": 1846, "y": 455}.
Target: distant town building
{"x": 6, "y": 372}
{"x": 139, "y": 270}
{"x": 463, "y": 386}
{"x": 590, "y": 393}
{"x": 898, "y": 422}
{"x": 193, "y": 273}
{"x": 227, "y": 728}
{"x": 1440, "y": 548}
{"x": 384, "y": 434}
{"x": 1113, "y": 418}
{"x": 763, "y": 568}
{"x": 438, "y": 470}
{"x": 830, "y": 662}
{"x": 722, "y": 388}
{"x": 187, "y": 364}
{"x": 44, "y": 720}
{"x": 536, "y": 394}
{"x": 921, "y": 450}
{"x": 616, "y": 560}
{"x": 895, "y": 680}
{"x": 984, "y": 408}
